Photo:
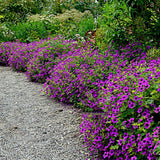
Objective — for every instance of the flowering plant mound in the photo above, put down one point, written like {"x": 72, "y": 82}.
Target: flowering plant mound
{"x": 6, "y": 49}
{"x": 77, "y": 77}
{"x": 130, "y": 128}
{"x": 39, "y": 66}
{"x": 22, "y": 54}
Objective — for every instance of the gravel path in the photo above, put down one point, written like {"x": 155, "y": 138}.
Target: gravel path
{"x": 35, "y": 127}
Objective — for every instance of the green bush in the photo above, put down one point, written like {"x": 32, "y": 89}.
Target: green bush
{"x": 6, "y": 33}
{"x": 147, "y": 13}
{"x": 73, "y": 22}
{"x": 86, "y": 24}
{"x": 115, "y": 20}
{"x": 29, "y": 31}
{"x": 125, "y": 22}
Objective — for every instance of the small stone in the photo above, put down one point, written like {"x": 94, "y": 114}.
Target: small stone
{"x": 60, "y": 110}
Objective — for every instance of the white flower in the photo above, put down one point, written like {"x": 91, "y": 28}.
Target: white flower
{"x": 77, "y": 35}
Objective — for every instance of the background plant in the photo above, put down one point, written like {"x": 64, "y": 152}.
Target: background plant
{"x": 30, "y": 31}
{"x": 114, "y": 22}
{"x": 16, "y": 11}
{"x": 148, "y": 12}
{"x": 6, "y": 33}
{"x": 57, "y": 6}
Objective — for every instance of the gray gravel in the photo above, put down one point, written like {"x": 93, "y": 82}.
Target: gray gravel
{"x": 35, "y": 127}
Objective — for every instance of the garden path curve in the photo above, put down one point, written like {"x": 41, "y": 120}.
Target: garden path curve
{"x": 35, "y": 127}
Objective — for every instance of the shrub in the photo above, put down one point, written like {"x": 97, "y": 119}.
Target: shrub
{"x": 29, "y": 31}
{"x": 16, "y": 10}
{"x": 146, "y": 12}
{"x": 39, "y": 17}
{"x": 56, "y": 7}
{"x": 86, "y": 24}
{"x": 73, "y": 22}
{"x": 6, "y": 33}
{"x": 115, "y": 20}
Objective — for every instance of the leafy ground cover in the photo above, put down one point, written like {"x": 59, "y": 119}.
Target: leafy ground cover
{"x": 129, "y": 77}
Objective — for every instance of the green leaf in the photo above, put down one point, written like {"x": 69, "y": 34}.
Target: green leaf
{"x": 153, "y": 92}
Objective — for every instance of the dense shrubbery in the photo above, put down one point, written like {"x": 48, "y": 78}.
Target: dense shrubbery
{"x": 57, "y": 6}
{"x": 129, "y": 21}
{"x": 30, "y": 31}
{"x": 16, "y": 10}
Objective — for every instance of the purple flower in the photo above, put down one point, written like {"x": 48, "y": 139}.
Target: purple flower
{"x": 134, "y": 158}
{"x": 119, "y": 152}
{"x": 140, "y": 110}
{"x": 111, "y": 152}
{"x": 124, "y": 97}
{"x": 131, "y": 104}
{"x": 132, "y": 137}
{"x": 120, "y": 142}
{"x": 141, "y": 89}
{"x": 114, "y": 120}
{"x": 127, "y": 145}
{"x": 124, "y": 147}
{"x": 131, "y": 120}
{"x": 147, "y": 124}
{"x": 157, "y": 110}
{"x": 140, "y": 103}
{"x": 124, "y": 123}
{"x": 125, "y": 135}
{"x": 128, "y": 125}
{"x": 155, "y": 134}
{"x": 125, "y": 89}
{"x": 106, "y": 154}
{"x": 136, "y": 98}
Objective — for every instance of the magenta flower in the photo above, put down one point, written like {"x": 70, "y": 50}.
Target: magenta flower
{"x": 106, "y": 154}
{"x": 134, "y": 158}
{"x": 131, "y": 104}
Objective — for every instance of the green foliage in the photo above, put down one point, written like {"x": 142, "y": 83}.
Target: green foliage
{"x": 28, "y": 32}
{"x": 157, "y": 151}
{"x": 57, "y": 6}
{"x": 70, "y": 23}
{"x": 153, "y": 53}
{"x": 129, "y": 21}
{"x": 101, "y": 40}
{"x": 6, "y": 33}
{"x": 148, "y": 13}
{"x": 16, "y": 10}
{"x": 115, "y": 20}
{"x": 86, "y": 24}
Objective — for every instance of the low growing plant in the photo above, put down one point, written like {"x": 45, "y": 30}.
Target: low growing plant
{"x": 130, "y": 128}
